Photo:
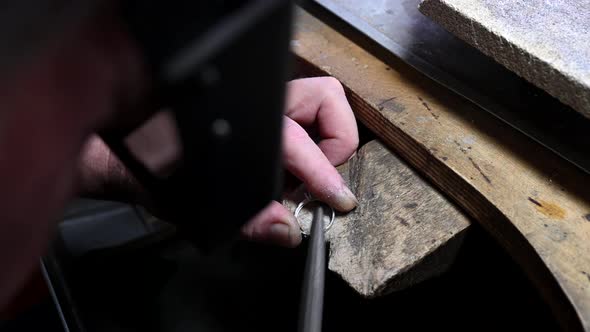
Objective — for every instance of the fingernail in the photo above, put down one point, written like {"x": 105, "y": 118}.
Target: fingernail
{"x": 345, "y": 200}
{"x": 285, "y": 235}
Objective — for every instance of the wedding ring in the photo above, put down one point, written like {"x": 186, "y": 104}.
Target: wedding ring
{"x": 306, "y": 201}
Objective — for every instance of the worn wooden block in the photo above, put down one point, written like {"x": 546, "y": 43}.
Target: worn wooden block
{"x": 546, "y": 42}
{"x": 402, "y": 232}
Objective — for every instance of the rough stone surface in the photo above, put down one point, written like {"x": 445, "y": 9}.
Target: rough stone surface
{"x": 403, "y": 231}
{"x": 545, "y": 41}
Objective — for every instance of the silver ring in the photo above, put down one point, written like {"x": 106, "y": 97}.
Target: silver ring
{"x": 307, "y": 200}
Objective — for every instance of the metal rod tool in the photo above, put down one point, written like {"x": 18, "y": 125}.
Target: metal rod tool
{"x": 312, "y": 301}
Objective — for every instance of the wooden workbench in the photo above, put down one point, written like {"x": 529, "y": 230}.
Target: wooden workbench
{"x": 534, "y": 203}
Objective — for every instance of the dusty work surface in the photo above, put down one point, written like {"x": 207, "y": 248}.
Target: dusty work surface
{"x": 546, "y": 42}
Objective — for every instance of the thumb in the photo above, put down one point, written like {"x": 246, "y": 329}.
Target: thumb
{"x": 274, "y": 224}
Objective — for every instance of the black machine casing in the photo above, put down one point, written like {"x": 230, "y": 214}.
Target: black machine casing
{"x": 215, "y": 62}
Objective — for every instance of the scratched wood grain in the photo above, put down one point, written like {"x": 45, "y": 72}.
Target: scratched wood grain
{"x": 535, "y": 204}
{"x": 403, "y": 231}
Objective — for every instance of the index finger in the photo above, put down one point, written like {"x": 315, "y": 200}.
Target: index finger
{"x": 321, "y": 101}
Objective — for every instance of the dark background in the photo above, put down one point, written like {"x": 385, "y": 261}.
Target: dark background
{"x": 165, "y": 284}
{"x": 251, "y": 287}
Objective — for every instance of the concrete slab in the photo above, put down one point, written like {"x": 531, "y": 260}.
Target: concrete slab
{"x": 545, "y": 41}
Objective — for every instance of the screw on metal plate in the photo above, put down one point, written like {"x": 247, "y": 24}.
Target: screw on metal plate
{"x": 309, "y": 199}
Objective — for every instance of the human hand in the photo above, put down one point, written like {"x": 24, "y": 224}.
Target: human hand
{"x": 320, "y": 105}
{"x": 317, "y": 104}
